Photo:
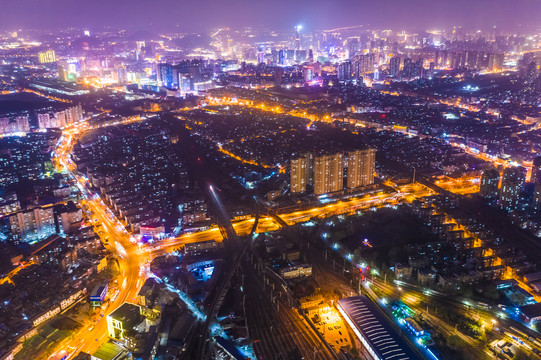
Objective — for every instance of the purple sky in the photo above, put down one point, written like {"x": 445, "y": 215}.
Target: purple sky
{"x": 314, "y": 14}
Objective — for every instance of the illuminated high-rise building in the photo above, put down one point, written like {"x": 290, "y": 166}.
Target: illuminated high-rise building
{"x": 19, "y": 124}
{"x": 165, "y": 74}
{"x": 498, "y": 61}
{"x": 512, "y": 183}
{"x": 328, "y": 173}
{"x": 298, "y": 29}
{"x": 121, "y": 75}
{"x": 139, "y": 46}
{"x": 537, "y": 196}
{"x": 352, "y": 44}
{"x": 418, "y": 70}
{"x": 301, "y": 56}
{"x": 290, "y": 56}
{"x": 531, "y": 72}
{"x": 394, "y": 66}
{"x": 62, "y": 76}
{"x": 32, "y": 225}
{"x": 489, "y": 184}
{"x": 47, "y": 57}
{"x": 261, "y": 54}
{"x": 361, "y": 167}
{"x": 407, "y": 70}
{"x": 472, "y": 58}
{"x": 363, "y": 64}
{"x": 536, "y": 170}
{"x": 344, "y": 71}
{"x": 495, "y": 61}
{"x": 302, "y": 173}
{"x": 44, "y": 121}
{"x": 308, "y": 74}
{"x": 438, "y": 58}
{"x": 282, "y": 54}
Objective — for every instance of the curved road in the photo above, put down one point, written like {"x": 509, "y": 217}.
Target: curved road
{"x": 131, "y": 259}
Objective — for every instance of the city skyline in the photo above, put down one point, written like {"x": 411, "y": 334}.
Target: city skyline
{"x": 249, "y": 180}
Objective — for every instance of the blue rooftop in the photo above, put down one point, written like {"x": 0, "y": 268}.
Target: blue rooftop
{"x": 373, "y": 329}
{"x": 230, "y": 348}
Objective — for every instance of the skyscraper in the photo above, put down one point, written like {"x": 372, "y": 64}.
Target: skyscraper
{"x": 498, "y": 61}
{"x": 407, "y": 70}
{"x": 363, "y": 64}
{"x": 302, "y": 173}
{"x": 536, "y": 170}
{"x": 261, "y": 54}
{"x": 282, "y": 57}
{"x": 361, "y": 167}
{"x": 298, "y": 29}
{"x": 512, "y": 182}
{"x": 165, "y": 74}
{"x": 418, "y": 69}
{"x": 62, "y": 76}
{"x": 489, "y": 184}
{"x": 122, "y": 75}
{"x": 301, "y": 55}
{"x": 537, "y": 196}
{"x": 344, "y": 71}
{"x": 48, "y": 56}
{"x": 139, "y": 46}
{"x": 493, "y": 62}
{"x": 328, "y": 173}
{"x": 472, "y": 58}
{"x": 431, "y": 68}
{"x": 394, "y": 66}
{"x": 530, "y": 72}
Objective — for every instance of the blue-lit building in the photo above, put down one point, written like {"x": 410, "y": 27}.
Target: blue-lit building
{"x": 98, "y": 294}
{"x": 31, "y": 226}
{"x": 165, "y": 74}
{"x": 228, "y": 350}
{"x": 380, "y": 341}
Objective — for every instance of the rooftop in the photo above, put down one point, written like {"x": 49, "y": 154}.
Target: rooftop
{"x": 109, "y": 351}
{"x": 532, "y": 310}
{"x": 368, "y": 321}
{"x": 129, "y": 314}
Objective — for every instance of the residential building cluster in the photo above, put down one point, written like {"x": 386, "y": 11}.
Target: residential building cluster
{"x": 467, "y": 252}
{"x": 325, "y": 173}
{"x": 512, "y": 193}
{"x": 139, "y": 175}
{"x": 46, "y": 279}
{"x": 59, "y": 119}
{"x": 12, "y": 125}
{"x": 26, "y": 158}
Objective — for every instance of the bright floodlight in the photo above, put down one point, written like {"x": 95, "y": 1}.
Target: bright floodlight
{"x": 299, "y": 27}
{"x": 211, "y": 188}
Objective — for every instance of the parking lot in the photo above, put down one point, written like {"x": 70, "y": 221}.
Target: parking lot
{"x": 334, "y": 329}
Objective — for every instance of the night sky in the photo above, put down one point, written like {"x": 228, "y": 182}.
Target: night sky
{"x": 313, "y": 14}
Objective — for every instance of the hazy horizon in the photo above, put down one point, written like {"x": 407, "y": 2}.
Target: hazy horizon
{"x": 167, "y": 15}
